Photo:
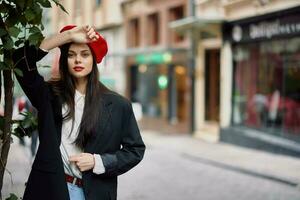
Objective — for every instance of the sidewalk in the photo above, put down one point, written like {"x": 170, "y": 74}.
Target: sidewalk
{"x": 18, "y": 168}
{"x": 280, "y": 168}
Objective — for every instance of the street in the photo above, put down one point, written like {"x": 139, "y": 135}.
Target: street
{"x": 170, "y": 172}
{"x": 165, "y": 174}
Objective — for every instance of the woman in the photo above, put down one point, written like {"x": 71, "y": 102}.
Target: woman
{"x": 88, "y": 134}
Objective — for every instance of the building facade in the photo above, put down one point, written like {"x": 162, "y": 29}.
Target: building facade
{"x": 157, "y": 64}
{"x": 247, "y": 72}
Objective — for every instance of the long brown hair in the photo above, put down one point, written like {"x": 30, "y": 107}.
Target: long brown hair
{"x": 65, "y": 88}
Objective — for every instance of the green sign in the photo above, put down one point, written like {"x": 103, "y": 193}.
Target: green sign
{"x": 154, "y": 58}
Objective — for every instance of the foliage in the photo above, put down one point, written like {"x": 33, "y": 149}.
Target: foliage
{"x": 12, "y": 197}
{"x": 26, "y": 126}
{"x": 20, "y": 21}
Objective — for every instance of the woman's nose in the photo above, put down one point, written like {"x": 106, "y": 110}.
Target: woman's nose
{"x": 78, "y": 59}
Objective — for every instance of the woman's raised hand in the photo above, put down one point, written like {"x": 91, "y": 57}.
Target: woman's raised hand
{"x": 83, "y": 34}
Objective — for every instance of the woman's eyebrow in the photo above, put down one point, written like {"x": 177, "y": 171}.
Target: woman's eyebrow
{"x": 85, "y": 50}
{"x": 71, "y": 51}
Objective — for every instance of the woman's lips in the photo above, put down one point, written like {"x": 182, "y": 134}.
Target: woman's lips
{"x": 78, "y": 68}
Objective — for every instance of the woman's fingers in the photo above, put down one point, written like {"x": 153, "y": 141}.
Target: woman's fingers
{"x": 87, "y": 27}
{"x": 84, "y": 34}
{"x": 84, "y": 161}
{"x": 92, "y": 35}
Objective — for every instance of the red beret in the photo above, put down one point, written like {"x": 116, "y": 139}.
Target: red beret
{"x": 99, "y": 47}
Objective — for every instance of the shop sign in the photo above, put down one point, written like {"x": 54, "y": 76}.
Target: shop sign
{"x": 263, "y": 29}
{"x": 153, "y": 58}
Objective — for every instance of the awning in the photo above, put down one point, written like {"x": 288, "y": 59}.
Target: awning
{"x": 195, "y": 23}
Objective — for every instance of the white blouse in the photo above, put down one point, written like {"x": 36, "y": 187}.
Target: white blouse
{"x": 67, "y": 147}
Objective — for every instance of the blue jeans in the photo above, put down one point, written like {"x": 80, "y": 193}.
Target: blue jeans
{"x": 75, "y": 192}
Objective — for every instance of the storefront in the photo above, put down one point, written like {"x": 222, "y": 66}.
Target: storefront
{"x": 159, "y": 83}
{"x": 266, "y": 82}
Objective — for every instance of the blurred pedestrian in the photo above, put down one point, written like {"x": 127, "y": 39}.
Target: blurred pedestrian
{"x": 88, "y": 133}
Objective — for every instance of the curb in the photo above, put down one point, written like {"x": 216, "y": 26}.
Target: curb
{"x": 242, "y": 170}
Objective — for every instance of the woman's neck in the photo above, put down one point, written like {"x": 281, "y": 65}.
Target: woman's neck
{"x": 80, "y": 85}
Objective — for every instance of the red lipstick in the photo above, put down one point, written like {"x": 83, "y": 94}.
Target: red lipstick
{"x": 78, "y": 68}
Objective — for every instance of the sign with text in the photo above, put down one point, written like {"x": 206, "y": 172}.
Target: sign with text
{"x": 263, "y": 28}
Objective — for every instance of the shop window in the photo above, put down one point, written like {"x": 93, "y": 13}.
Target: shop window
{"x": 176, "y": 14}
{"x": 266, "y": 87}
{"x": 134, "y": 33}
{"x": 150, "y": 89}
{"x": 153, "y": 29}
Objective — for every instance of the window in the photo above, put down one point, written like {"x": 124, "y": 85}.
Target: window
{"x": 153, "y": 29}
{"x": 176, "y": 14}
{"x": 134, "y": 33}
{"x": 266, "y": 86}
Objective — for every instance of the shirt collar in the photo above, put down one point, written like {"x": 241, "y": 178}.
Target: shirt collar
{"x": 78, "y": 96}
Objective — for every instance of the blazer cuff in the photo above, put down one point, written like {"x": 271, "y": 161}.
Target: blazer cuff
{"x": 110, "y": 163}
{"x": 99, "y": 167}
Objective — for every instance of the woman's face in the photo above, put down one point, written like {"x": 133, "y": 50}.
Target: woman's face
{"x": 80, "y": 60}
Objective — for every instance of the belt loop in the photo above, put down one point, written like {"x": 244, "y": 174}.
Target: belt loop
{"x": 74, "y": 181}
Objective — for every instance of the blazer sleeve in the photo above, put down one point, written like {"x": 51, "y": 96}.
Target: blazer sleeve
{"x": 132, "y": 150}
{"x": 32, "y": 82}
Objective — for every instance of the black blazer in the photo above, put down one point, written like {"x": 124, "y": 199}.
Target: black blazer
{"x": 117, "y": 138}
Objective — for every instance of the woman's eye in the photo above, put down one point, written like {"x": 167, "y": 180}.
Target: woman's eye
{"x": 70, "y": 55}
{"x": 85, "y": 54}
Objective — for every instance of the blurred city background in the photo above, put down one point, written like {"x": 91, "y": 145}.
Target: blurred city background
{"x": 215, "y": 86}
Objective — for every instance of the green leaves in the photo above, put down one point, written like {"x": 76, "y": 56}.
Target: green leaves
{"x": 21, "y": 20}
{"x": 59, "y": 5}
{"x": 3, "y": 8}
{"x": 34, "y": 30}
{"x": 12, "y": 197}
{"x": 29, "y": 14}
{"x": 20, "y": 4}
{"x": 14, "y": 31}
{"x": 36, "y": 38}
{"x": 2, "y": 32}
{"x": 18, "y": 72}
{"x": 26, "y": 126}
{"x": 45, "y": 3}
{"x": 8, "y": 43}
{"x": 19, "y": 42}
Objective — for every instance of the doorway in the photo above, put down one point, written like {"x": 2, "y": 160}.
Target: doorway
{"x": 212, "y": 85}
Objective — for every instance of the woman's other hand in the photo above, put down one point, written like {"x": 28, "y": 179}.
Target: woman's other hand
{"x": 84, "y": 161}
